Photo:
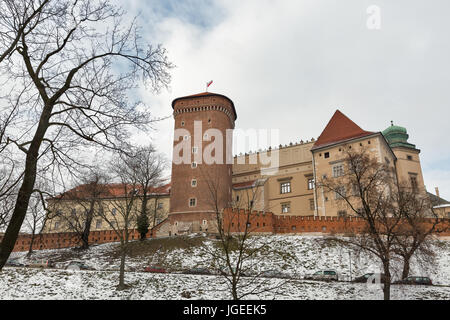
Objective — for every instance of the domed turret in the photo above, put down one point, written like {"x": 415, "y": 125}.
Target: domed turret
{"x": 397, "y": 136}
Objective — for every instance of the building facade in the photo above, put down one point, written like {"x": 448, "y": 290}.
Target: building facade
{"x": 206, "y": 179}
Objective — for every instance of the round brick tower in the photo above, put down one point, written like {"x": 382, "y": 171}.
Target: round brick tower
{"x": 201, "y": 167}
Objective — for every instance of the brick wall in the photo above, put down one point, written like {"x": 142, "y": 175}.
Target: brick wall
{"x": 67, "y": 240}
{"x": 234, "y": 220}
{"x": 270, "y": 223}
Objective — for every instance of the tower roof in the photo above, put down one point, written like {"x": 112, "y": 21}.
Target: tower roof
{"x": 206, "y": 94}
{"x": 397, "y": 136}
{"x": 339, "y": 128}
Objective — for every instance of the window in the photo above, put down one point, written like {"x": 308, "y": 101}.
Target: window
{"x": 285, "y": 207}
{"x": 285, "y": 187}
{"x": 413, "y": 180}
{"x": 186, "y": 137}
{"x": 338, "y": 170}
{"x": 310, "y": 183}
{"x": 192, "y": 202}
{"x": 340, "y": 192}
{"x": 160, "y": 205}
{"x": 205, "y": 136}
{"x": 98, "y": 224}
{"x": 355, "y": 190}
{"x": 326, "y": 155}
{"x": 74, "y": 212}
{"x": 56, "y": 225}
{"x": 193, "y": 183}
{"x": 311, "y": 204}
{"x": 114, "y": 211}
{"x": 182, "y": 123}
{"x": 194, "y": 165}
{"x": 204, "y": 222}
{"x": 194, "y": 149}
{"x": 237, "y": 198}
{"x": 409, "y": 157}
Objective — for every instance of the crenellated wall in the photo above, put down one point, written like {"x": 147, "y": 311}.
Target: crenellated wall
{"x": 233, "y": 221}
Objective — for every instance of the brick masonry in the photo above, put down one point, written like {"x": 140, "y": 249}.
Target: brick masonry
{"x": 260, "y": 223}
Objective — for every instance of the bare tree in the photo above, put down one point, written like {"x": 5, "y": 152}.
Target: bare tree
{"x": 16, "y": 18}
{"x": 121, "y": 216}
{"x": 148, "y": 166}
{"x": 420, "y": 222}
{"x": 87, "y": 196}
{"x": 237, "y": 249}
{"x": 35, "y": 220}
{"x": 365, "y": 188}
{"x": 67, "y": 88}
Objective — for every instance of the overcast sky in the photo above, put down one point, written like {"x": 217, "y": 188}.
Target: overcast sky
{"x": 289, "y": 65}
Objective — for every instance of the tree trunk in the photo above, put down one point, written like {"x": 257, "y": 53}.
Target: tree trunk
{"x": 387, "y": 281}
{"x": 20, "y": 209}
{"x": 87, "y": 228}
{"x": 26, "y": 189}
{"x": 30, "y": 249}
{"x": 406, "y": 267}
{"x": 122, "y": 268}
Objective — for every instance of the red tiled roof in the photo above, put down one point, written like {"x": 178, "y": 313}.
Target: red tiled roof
{"x": 108, "y": 191}
{"x": 244, "y": 185}
{"x": 339, "y": 128}
{"x": 206, "y": 94}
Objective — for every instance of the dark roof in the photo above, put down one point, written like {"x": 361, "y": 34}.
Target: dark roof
{"x": 435, "y": 200}
{"x": 206, "y": 94}
{"x": 339, "y": 128}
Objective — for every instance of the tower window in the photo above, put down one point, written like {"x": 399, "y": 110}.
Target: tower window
{"x": 186, "y": 137}
{"x": 182, "y": 123}
{"x": 193, "y": 182}
{"x": 194, "y": 165}
{"x": 413, "y": 180}
{"x": 192, "y": 202}
{"x": 194, "y": 149}
{"x": 326, "y": 155}
{"x": 409, "y": 157}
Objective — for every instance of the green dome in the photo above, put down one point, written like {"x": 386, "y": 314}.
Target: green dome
{"x": 397, "y": 136}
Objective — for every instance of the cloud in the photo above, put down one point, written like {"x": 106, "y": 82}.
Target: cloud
{"x": 289, "y": 65}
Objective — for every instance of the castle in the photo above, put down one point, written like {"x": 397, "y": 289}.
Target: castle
{"x": 202, "y": 185}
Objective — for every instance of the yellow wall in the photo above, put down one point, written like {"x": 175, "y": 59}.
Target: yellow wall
{"x": 60, "y": 224}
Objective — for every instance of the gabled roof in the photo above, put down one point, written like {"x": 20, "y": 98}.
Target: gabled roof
{"x": 339, "y": 128}
{"x": 206, "y": 94}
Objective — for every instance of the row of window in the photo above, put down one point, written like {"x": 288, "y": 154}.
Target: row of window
{"x": 113, "y": 210}
{"x": 183, "y": 123}
{"x": 326, "y": 155}
{"x": 286, "y": 206}
{"x": 285, "y": 187}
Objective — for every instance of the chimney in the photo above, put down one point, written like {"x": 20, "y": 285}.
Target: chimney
{"x": 437, "y": 191}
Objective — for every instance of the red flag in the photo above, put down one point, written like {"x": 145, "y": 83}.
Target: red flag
{"x": 209, "y": 83}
